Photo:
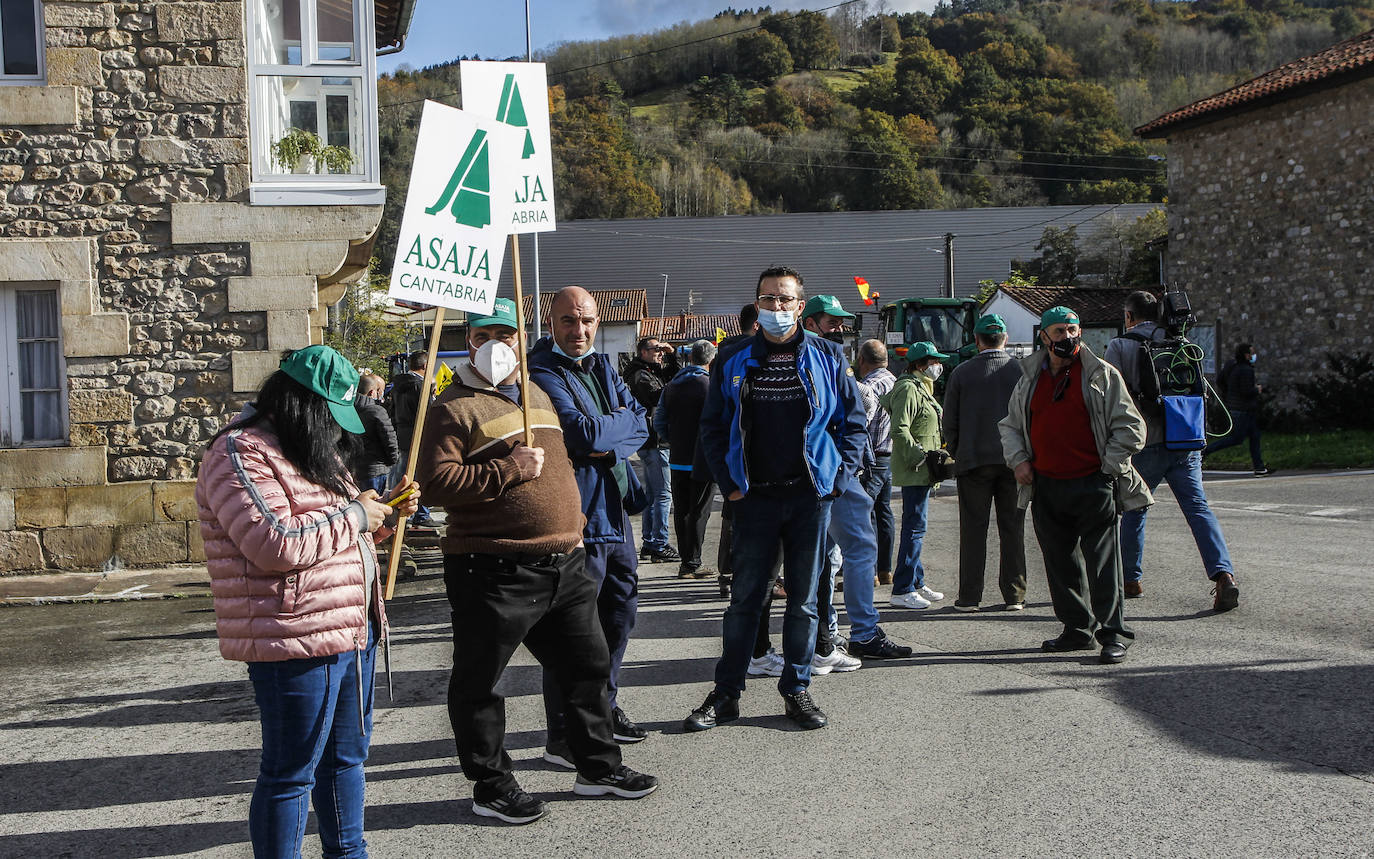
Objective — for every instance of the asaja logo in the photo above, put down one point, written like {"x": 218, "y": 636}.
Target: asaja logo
{"x": 511, "y": 111}
{"x": 469, "y": 188}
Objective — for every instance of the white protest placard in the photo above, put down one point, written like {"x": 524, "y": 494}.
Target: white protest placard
{"x": 453, "y": 232}
{"x": 517, "y": 95}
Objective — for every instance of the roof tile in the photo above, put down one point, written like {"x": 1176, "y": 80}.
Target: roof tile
{"x": 616, "y": 306}
{"x": 1094, "y": 305}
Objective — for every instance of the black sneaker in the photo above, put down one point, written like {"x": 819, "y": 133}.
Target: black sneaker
{"x": 878, "y": 647}
{"x": 513, "y": 806}
{"x": 666, "y": 555}
{"x": 621, "y": 781}
{"x": 624, "y": 730}
{"x": 717, "y": 709}
{"x": 1263, "y": 471}
{"x": 802, "y": 710}
{"x": 559, "y": 753}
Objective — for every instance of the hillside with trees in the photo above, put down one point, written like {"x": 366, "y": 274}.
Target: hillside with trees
{"x": 980, "y": 103}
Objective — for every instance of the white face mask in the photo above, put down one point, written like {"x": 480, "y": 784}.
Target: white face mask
{"x": 934, "y": 371}
{"x": 777, "y": 322}
{"x": 494, "y": 361}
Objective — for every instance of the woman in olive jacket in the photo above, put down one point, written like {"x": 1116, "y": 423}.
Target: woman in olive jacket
{"x": 915, "y": 430}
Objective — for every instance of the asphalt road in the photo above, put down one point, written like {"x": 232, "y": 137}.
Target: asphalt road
{"x": 1245, "y": 734}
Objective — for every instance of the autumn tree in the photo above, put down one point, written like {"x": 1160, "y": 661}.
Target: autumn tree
{"x": 596, "y": 173}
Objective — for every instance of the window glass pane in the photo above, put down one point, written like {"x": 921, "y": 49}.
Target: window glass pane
{"x": 18, "y": 37}
{"x": 278, "y": 32}
{"x": 335, "y": 30}
{"x": 42, "y": 416}
{"x": 37, "y": 312}
{"x": 328, "y": 107}
{"x": 39, "y": 365}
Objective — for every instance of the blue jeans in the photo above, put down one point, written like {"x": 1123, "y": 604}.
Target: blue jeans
{"x": 1183, "y": 470}
{"x": 763, "y": 517}
{"x": 654, "y": 521}
{"x": 377, "y": 483}
{"x": 879, "y": 485}
{"x": 851, "y": 527}
{"x": 313, "y": 748}
{"x": 1243, "y": 426}
{"x": 909, "y": 574}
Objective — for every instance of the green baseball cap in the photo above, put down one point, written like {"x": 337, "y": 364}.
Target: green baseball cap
{"x": 330, "y": 375}
{"x": 1056, "y": 315}
{"x": 923, "y": 349}
{"x": 502, "y": 313}
{"x": 824, "y": 304}
{"x": 990, "y": 324}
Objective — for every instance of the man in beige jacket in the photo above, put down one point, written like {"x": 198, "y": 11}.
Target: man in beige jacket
{"x": 1068, "y": 437}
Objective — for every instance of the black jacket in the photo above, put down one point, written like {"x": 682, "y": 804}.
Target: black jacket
{"x": 682, "y": 403}
{"x": 646, "y": 382}
{"x": 380, "y": 451}
{"x": 1238, "y": 390}
{"x": 405, "y": 402}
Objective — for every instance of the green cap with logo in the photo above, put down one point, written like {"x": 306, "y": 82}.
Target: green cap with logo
{"x": 502, "y": 313}
{"x": 1056, "y": 315}
{"x": 990, "y": 323}
{"x": 330, "y": 375}
{"x": 923, "y": 349}
{"x": 825, "y": 304}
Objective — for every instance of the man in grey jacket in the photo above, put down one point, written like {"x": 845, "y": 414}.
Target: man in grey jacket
{"x": 1069, "y": 435}
{"x": 976, "y": 398}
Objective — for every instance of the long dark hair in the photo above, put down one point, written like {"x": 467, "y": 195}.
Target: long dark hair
{"x": 310, "y": 438}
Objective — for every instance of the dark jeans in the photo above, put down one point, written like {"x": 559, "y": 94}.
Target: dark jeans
{"x": 878, "y": 483}
{"x": 497, "y": 605}
{"x": 761, "y": 519}
{"x": 691, "y": 513}
{"x": 1076, "y": 524}
{"x": 979, "y": 489}
{"x": 614, "y": 569}
{"x": 313, "y": 748}
{"x": 1244, "y": 425}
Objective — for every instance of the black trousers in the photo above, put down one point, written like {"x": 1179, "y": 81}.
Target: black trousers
{"x": 1076, "y": 524}
{"x": 498, "y": 604}
{"x": 979, "y": 489}
{"x": 691, "y": 513}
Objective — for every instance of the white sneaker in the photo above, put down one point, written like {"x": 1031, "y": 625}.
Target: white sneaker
{"x": 911, "y": 600}
{"x": 767, "y": 665}
{"x": 838, "y": 660}
{"x": 933, "y": 596}
{"x": 1016, "y": 606}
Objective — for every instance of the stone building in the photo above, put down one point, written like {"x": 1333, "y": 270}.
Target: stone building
{"x": 1271, "y": 204}
{"x": 160, "y": 245}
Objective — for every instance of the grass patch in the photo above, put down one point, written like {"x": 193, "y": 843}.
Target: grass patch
{"x": 1291, "y": 451}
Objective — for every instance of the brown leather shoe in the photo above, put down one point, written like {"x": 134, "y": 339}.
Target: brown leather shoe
{"x": 1227, "y": 593}
{"x": 1133, "y": 590}
{"x": 883, "y": 578}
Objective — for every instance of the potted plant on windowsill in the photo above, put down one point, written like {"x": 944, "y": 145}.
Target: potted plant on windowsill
{"x": 301, "y": 151}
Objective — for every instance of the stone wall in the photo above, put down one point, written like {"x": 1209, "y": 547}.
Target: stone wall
{"x": 124, "y": 181}
{"x": 1270, "y": 217}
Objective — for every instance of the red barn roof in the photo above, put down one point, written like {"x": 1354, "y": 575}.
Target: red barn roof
{"x": 616, "y": 306}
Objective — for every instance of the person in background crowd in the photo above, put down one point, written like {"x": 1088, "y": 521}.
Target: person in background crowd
{"x": 872, "y": 373}
{"x": 514, "y": 571}
{"x": 646, "y": 377}
{"x": 915, "y": 431}
{"x": 748, "y": 326}
{"x": 603, "y": 426}
{"x": 1241, "y": 396}
{"x": 976, "y": 398}
{"x": 1069, "y": 435}
{"x": 678, "y": 419}
{"x": 289, "y": 547}
{"x": 405, "y": 405}
{"x": 380, "y": 450}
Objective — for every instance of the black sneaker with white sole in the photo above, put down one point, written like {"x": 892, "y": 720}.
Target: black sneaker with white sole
{"x": 559, "y": 753}
{"x": 513, "y": 806}
{"x": 621, "y": 781}
{"x": 878, "y": 647}
{"x": 624, "y": 730}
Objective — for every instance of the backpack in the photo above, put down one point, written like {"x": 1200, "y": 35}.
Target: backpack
{"x": 1171, "y": 388}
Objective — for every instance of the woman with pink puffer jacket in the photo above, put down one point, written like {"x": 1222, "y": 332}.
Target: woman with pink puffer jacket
{"x": 293, "y": 569}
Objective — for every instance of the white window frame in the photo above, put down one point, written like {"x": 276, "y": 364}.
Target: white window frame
{"x": 39, "y": 40}
{"x": 361, "y": 188}
{"x": 11, "y": 400}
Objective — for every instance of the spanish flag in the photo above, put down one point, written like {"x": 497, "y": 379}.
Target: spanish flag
{"x": 864, "y": 291}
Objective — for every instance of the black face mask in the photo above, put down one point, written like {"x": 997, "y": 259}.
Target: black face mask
{"x": 1066, "y": 348}
{"x": 834, "y": 336}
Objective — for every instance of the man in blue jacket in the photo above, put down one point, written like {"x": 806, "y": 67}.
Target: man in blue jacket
{"x": 783, "y": 431}
{"x": 603, "y": 425}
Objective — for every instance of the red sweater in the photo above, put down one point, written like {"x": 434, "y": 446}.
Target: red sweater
{"x": 1061, "y": 433}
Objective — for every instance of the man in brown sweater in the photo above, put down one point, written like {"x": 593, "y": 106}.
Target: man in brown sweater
{"x": 514, "y": 570}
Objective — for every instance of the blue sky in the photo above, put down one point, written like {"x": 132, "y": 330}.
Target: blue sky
{"x": 495, "y": 29}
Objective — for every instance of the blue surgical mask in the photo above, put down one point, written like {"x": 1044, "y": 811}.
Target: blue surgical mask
{"x": 1252, "y": 358}
{"x": 559, "y": 350}
{"x": 777, "y": 322}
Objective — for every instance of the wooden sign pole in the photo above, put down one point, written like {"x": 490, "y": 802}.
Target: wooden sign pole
{"x": 522, "y": 349}
{"x": 394, "y": 562}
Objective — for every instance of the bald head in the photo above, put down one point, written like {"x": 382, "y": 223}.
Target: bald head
{"x": 573, "y": 319}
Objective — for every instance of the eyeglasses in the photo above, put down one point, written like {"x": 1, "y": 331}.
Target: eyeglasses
{"x": 778, "y": 300}
{"x": 1060, "y": 387}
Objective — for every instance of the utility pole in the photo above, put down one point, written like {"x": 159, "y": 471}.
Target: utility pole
{"x": 663, "y": 305}
{"x": 949, "y": 265}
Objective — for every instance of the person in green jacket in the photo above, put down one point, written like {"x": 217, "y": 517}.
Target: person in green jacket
{"x": 915, "y": 430}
